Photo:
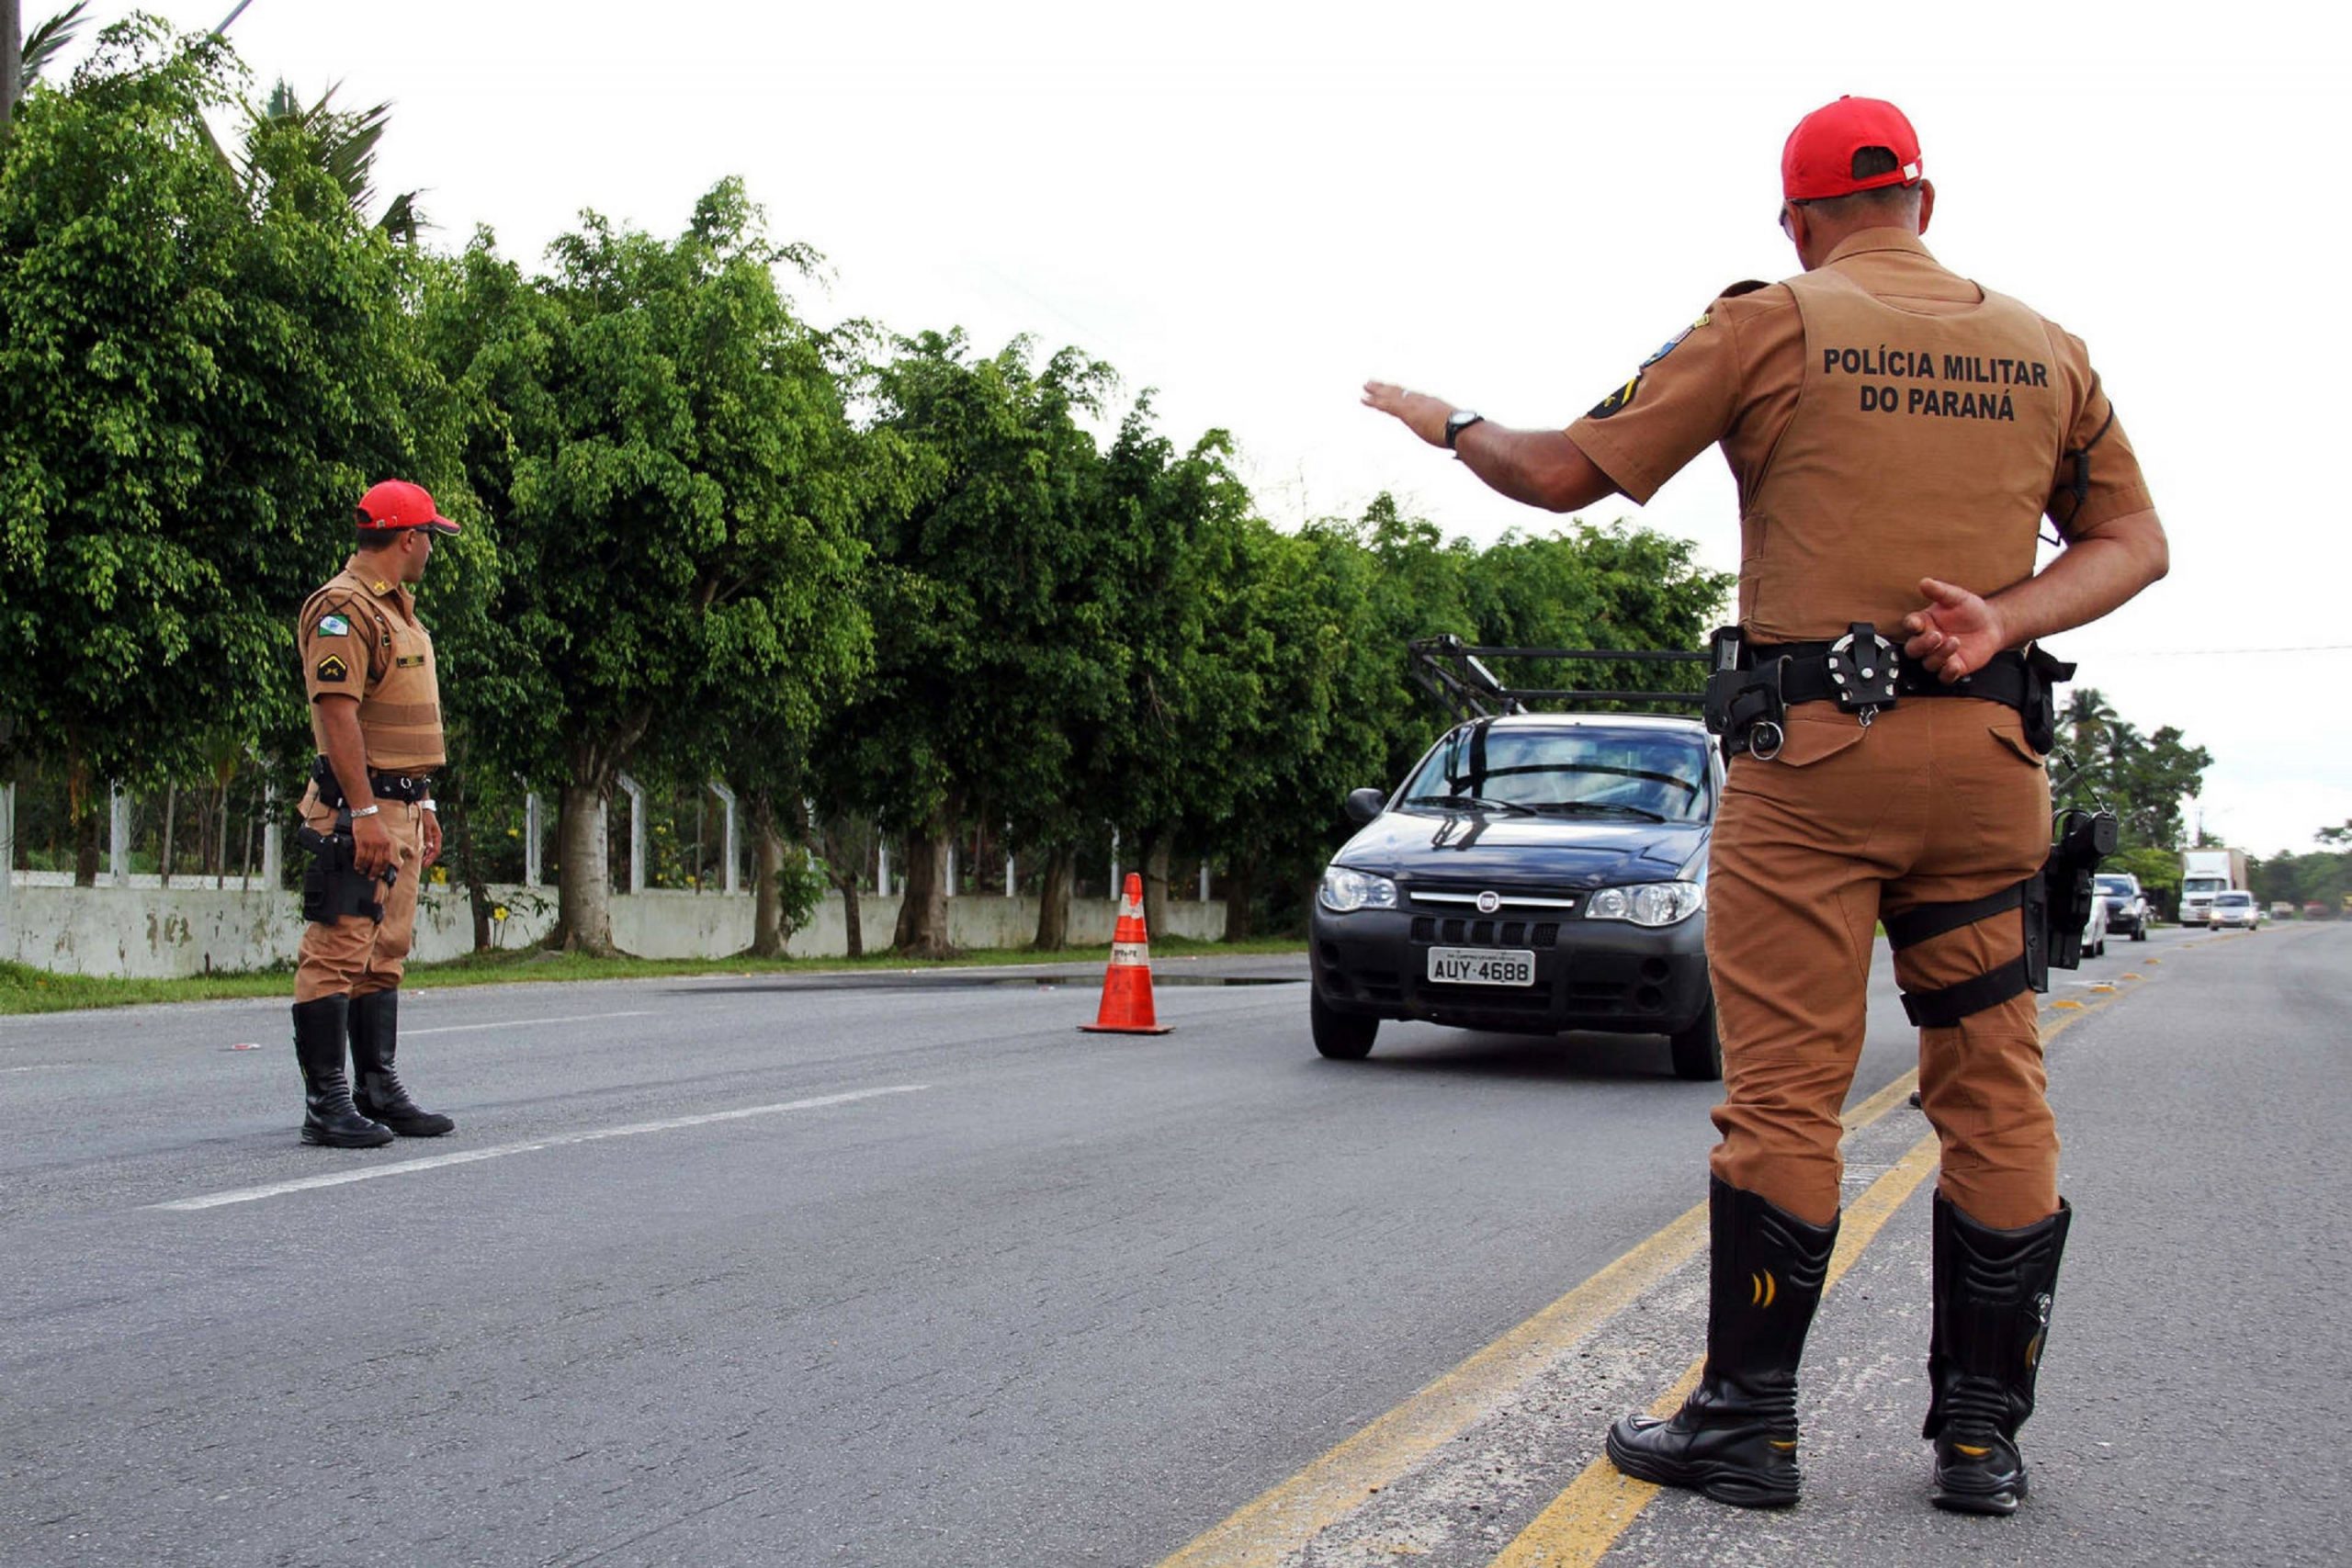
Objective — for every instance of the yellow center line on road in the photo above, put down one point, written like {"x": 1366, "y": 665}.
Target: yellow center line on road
{"x": 1287, "y": 1516}
{"x": 1585, "y": 1521}
{"x": 1281, "y": 1522}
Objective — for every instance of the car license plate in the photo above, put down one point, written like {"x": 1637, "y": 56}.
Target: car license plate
{"x": 1482, "y": 966}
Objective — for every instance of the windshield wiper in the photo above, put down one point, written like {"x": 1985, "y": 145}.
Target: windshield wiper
{"x": 1469, "y": 803}
{"x": 1596, "y": 807}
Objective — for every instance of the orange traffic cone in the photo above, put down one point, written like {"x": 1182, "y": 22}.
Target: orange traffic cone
{"x": 1126, "y": 985}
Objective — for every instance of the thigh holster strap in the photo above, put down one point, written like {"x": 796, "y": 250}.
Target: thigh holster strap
{"x": 1944, "y": 1008}
{"x": 1921, "y": 922}
{"x": 1941, "y": 1010}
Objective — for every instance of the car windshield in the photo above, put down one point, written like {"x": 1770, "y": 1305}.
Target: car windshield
{"x": 2234, "y": 900}
{"x": 1635, "y": 774}
{"x": 2116, "y": 885}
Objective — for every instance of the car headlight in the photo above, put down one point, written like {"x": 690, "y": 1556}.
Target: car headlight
{"x": 1344, "y": 891}
{"x": 1647, "y": 903}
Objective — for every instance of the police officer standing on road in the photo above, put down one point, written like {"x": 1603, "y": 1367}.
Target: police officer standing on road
{"x": 1897, "y": 434}
{"x": 367, "y": 819}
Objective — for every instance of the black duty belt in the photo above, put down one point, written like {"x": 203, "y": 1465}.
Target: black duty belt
{"x": 1809, "y": 677}
{"x": 1753, "y": 686}
{"x": 383, "y": 786}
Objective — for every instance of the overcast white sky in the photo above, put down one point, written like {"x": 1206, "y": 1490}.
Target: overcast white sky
{"x": 1254, "y": 207}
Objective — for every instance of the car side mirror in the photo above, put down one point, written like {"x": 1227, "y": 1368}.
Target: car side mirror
{"x": 1363, "y": 804}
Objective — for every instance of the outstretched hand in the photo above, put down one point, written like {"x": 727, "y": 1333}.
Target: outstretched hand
{"x": 1956, "y": 634}
{"x": 1424, "y": 415}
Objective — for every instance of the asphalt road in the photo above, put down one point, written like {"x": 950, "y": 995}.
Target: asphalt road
{"x": 906, "y": 1271}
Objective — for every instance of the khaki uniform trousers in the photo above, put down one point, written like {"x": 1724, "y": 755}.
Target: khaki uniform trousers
{"x": 356, "y": 956}
{"x": 1940, "y": 799}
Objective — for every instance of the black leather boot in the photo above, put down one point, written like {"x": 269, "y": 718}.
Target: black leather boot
{"x": 1735, "y": 1438}
{"x": 1993, "y": 1290}
{"x": 328, "y": 1115}
{"x": 375, "y": 1034}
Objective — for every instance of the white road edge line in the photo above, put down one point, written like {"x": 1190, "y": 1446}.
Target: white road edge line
{"x": 523, "y": 1023}
{"x": 555, "y": 1140}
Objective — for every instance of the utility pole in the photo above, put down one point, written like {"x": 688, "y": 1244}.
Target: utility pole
{"x": 12, "y": 58}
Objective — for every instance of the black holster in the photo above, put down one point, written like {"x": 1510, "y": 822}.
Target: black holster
{"x": 2066, "y": 884}
{"x": 332, "y": 887}
{"x": 2043, "y": 676}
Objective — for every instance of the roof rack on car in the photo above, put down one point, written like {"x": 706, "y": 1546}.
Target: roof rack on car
{"x": 1454, "y": 673}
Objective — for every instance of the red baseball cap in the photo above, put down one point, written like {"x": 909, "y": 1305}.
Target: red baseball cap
{"x": 396, "y": 503}
{"x": 1818, "y": 160}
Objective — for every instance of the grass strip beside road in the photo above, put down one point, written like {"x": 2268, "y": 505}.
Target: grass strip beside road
{"x": 24, "y": 990}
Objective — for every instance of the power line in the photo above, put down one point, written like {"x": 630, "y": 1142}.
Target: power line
{"x": 2231, "y": 653}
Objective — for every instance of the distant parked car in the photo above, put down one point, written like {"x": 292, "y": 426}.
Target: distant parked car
{"x": 2127, "y": 907}
{"x": 2237, "y": 909}
{"x": 2282, "y": 909}
{"x": 2315, "y": 910}
{"x": 2095, "y": 930}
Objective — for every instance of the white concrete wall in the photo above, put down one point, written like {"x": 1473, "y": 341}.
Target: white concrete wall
{"x": 147, "y": 932}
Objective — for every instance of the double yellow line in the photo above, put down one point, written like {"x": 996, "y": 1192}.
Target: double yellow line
{"x": 1581, "y": 1524}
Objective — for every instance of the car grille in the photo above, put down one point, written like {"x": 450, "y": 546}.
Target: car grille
{"x": 1486, "y": 933}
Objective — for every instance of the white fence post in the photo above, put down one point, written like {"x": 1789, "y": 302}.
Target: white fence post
{"x": 636, "y": 792}
{"x": 1007, "y": 860}
{"x": 951, "y": 868}
{"x": 118, "y": 835}
{"x": 1115, "y": 884}
{"x": 882, "y": 869}
{"x": 7, "y": 871}
{"x": 727, "y": 836}
{"x": 1204, "y": 882}
{"x": 532, "y": 833}
{"x": 273, "y": 839}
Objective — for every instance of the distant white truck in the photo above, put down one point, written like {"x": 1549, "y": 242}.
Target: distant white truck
{"x": 2204, "y": 873}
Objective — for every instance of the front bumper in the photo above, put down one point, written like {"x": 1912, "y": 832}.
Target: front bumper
{"x": 1596, "y": 974}
{"x": 2124, "y": 922}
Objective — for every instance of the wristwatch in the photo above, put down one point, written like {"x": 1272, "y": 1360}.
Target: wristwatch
{"x": 1459, "y": 420}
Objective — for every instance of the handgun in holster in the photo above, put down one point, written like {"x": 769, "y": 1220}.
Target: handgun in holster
{"x": 333, "y": 886}
{"x": 2085, "y": 838}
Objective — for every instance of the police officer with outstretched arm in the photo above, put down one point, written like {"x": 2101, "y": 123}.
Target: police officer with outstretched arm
{"x": 368, "y": 821}
{"x": 1897, "y": 434}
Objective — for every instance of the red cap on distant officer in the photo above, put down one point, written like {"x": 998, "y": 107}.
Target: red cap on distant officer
{"x": 1818, "y": 161}
{"x": 396, "y": 503}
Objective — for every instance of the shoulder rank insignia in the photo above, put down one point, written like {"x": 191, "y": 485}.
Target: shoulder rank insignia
{"x": 1618, "y": 399}
{"x": 333, "y": 668}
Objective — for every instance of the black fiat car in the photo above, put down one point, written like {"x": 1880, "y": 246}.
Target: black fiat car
{"x": 1536, "y": 874}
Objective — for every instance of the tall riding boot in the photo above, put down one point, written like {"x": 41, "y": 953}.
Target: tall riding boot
{"x": 1992, "y": 1291}
{"x": 328, "y": 1115}
{"x": 375, "y": 1032}
{"x": 1735, "y": 1438}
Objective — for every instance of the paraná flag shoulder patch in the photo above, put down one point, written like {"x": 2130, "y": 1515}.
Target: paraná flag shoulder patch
{"x": 333, "y": 668}
{"x": 333, "y": 625}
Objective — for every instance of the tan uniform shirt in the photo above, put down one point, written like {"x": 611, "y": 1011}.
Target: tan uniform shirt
{"x": 360, "y": 638}
{"x": 1884, "y": 420}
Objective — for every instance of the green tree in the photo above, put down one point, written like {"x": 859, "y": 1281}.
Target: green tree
{"x": 667, "y": 453}
{"x": 197, "y": 379}
{"x": 1177, "y": 526}
{"x": 993, "y": 646}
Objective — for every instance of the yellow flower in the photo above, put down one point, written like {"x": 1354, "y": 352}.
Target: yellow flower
{"x": 498, "y": 912}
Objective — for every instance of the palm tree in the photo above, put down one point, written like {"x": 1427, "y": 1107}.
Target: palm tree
{"x": 2089, "y": 718}
{"x": 44, "y": 44}
{"x": 345, "y": 144}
